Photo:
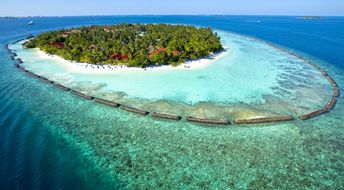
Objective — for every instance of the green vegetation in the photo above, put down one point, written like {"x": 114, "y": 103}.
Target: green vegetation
{"x": 134, "y": 45}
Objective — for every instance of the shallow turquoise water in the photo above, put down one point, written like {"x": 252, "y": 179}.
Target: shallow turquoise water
{"x": 52, "y": 139}
{"x": 251, "y": 73}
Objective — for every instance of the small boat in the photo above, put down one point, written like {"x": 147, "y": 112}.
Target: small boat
{"x": 30, "y": 23}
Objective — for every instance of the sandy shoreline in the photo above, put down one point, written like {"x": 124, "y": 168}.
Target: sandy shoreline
{"x": 92, "y": 68}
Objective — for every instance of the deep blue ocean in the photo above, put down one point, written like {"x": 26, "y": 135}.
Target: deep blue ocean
{"x": 39, "y": 148}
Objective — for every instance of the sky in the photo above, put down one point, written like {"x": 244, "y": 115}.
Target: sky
{"x": 171, "y": 7}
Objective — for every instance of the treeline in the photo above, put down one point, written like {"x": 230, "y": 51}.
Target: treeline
{"x": 131, "y": 44}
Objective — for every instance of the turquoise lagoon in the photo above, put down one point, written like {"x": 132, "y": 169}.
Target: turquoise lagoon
{"x": 50, "y": 139}
{"x": 250, "y": 79}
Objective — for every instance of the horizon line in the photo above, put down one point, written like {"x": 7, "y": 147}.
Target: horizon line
{"x": 95, "y": 15}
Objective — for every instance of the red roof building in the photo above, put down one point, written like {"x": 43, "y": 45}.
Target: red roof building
{"x": 175, "y": 52}
{"x": 150, "y": 56}
{"x": 119, "y": 56}
{"x": 58, "y": 45}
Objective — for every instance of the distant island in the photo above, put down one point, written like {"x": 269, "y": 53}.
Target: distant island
{"x": 135, "y": 45}
{"x": 9, "y": 17}
{"x": 309, "y": 17}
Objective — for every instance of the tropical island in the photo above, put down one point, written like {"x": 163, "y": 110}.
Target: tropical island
{"x": 134, "y": 45}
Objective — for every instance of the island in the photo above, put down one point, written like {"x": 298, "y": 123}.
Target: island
{"x": 133, "y": 45}
{"x": 310, "y": 18}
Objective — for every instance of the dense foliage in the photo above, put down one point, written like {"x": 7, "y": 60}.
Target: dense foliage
{"x": 130, "y": 44}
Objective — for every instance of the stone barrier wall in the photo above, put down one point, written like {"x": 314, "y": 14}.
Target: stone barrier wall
{"x": 330, "y": 105}
{"x": 267, "y": 119}
{"x": 134, "y": 110}
{"x": 107, "y": 102}
{"x": 166, "y": 116}
{"x": 208, "y": 121}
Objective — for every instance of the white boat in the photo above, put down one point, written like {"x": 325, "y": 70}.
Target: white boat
{"x": 30, "y": 23}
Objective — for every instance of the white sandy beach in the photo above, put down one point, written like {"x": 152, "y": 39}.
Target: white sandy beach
{"x": 77, "y": 67}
